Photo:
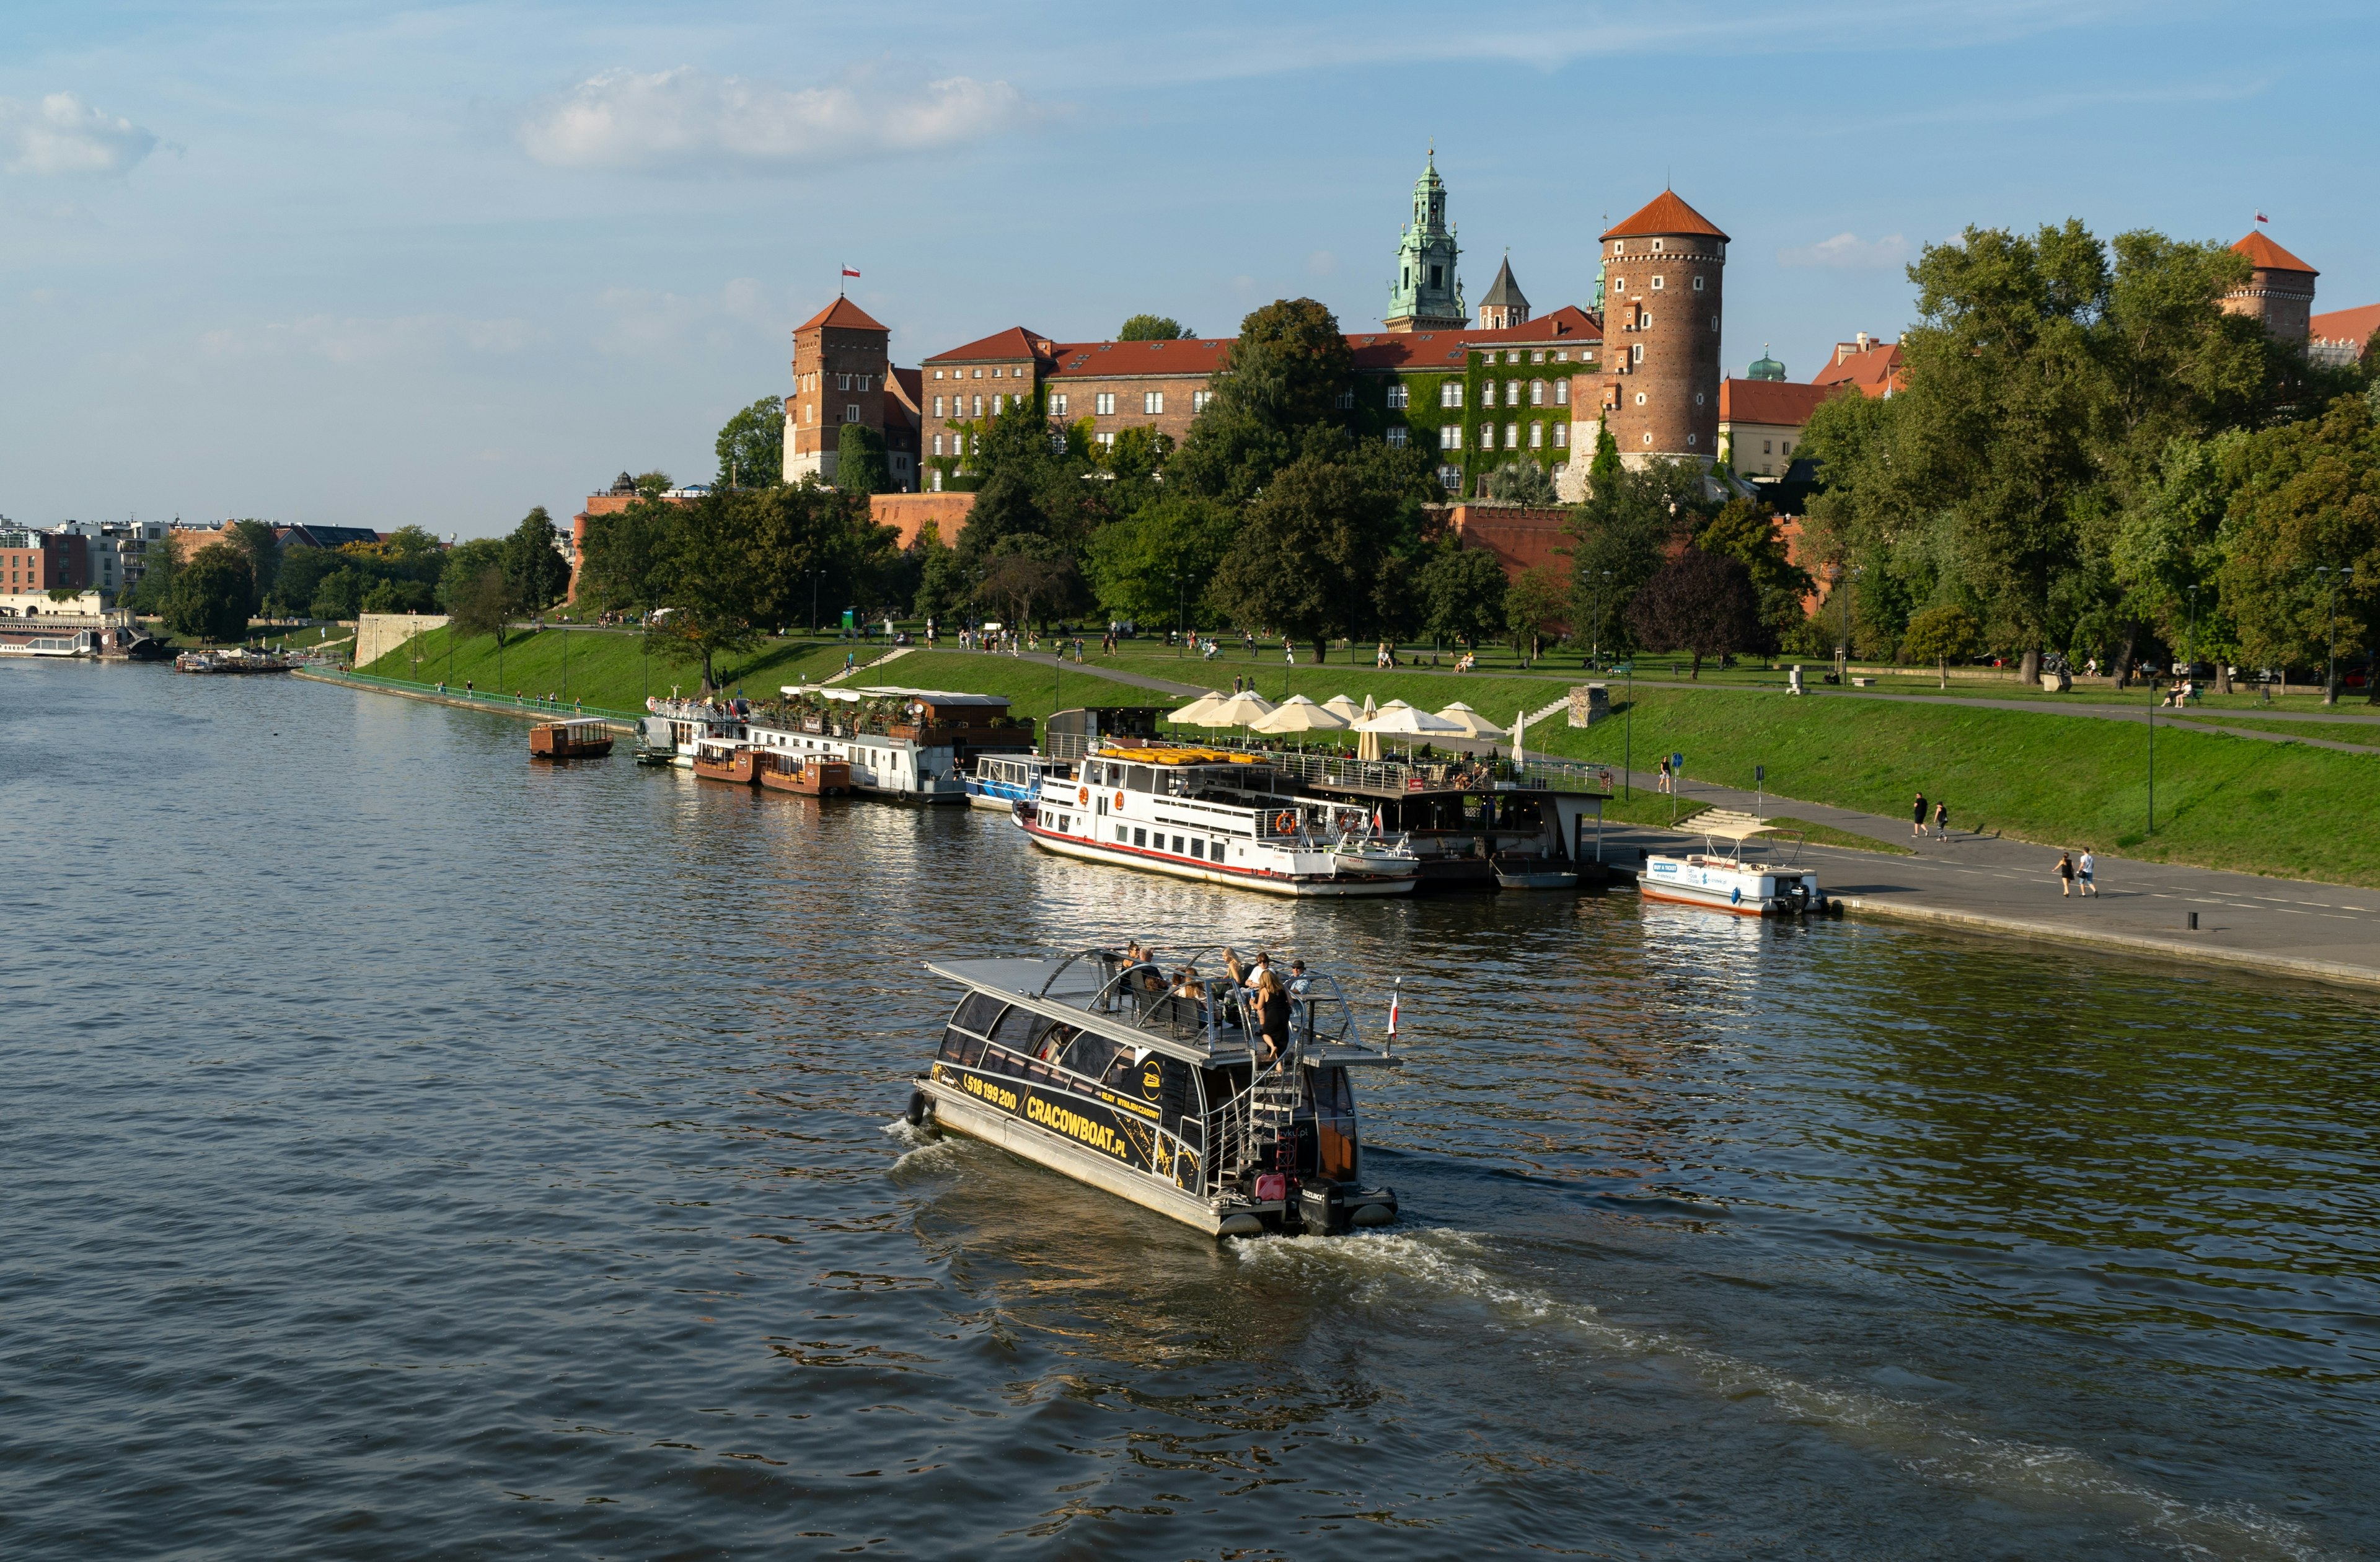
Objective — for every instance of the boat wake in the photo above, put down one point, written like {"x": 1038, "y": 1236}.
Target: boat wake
{"x": 1919, "y": 1439}
{"x": 924, "y": 1149}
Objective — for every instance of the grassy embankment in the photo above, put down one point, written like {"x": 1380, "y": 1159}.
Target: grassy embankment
{"x": 609, "y": 671}
{"x": 2222, "y": 802}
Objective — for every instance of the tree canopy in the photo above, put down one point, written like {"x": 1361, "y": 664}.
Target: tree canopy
{"x": 1152, "y": 328}
{"x": 1700, "y": 602}
{"x": 751, "y": 445}
{"x": 1283, "y": 378}
{"x": 212, "y": 594}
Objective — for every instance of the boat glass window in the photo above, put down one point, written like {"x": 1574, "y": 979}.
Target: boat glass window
{"x": 977, "y": 1012}
{"x": 1139, "y": 778}
{"x": 1334, "y": 1126}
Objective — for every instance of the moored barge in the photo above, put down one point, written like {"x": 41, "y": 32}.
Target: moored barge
{"x": 588, "y": 739}
{"x": 1098, "y": 1066}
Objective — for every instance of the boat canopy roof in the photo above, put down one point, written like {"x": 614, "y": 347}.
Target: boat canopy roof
{"x": 1170, "y": 754}
{"x": 1728, "y": 825}
{"x": 1097, "y": 990}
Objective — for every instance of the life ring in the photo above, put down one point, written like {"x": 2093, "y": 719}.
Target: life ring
{"x": 1082, "y": 794}
{"x": 1119, "y": 802}
{"x": 1283, "y": 822}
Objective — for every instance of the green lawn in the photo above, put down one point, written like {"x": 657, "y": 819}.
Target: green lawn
{"x": 605, "y": 669}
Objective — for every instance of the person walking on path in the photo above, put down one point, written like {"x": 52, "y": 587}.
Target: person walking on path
{"x": 2065, "y": 873}
{"x": 1661, "y": 782}
{"x": 1941, "y": 821}
{"x": 2082, "y": 872}
{"x": 1917, "y": 817}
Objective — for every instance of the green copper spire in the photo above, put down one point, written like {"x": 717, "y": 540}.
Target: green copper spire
{"x": 1427, "y": 294}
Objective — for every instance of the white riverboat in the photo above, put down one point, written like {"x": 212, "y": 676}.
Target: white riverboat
{"x": 1723, "y": 880}
{"x": 1215, "y": 815}
{"x": 1001, "y": 781}
{"x": 1157, "y": 1090}
{"x": 672, "y": 730}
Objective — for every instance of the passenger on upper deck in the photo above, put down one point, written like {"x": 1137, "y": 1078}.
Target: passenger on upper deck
{"x": 1272, "y": 1017}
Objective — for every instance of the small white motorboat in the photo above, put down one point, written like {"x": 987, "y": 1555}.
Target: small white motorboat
{"x": 1723, "y": 880}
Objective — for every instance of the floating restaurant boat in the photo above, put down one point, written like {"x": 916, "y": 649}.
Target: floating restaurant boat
{"x": 1212, "y": 815}
{"x": 588, "y": 739}
{"x": 238, "y": 659}
{"x": 1724, "y": 880}
{"x": 1104, "y": 1071}
{"x": 671, "y": 729}
{"x": 808, "y": 774}
{"x": 905, "y": 745}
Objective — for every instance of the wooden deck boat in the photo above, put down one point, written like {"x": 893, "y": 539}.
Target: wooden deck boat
{"x": 569, "y": 740}
{"x": 812, "y": 775}
{"x": 1104, "y": 1071}
{"x": 727, "y": 759}
{"x": 1724, "y": 881}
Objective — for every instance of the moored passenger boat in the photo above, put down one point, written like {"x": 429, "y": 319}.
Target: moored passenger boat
{"x": 808, "y": 774}
{"x": 1001, "y": 781}
{"x": 1155, "y": 1091}
{"x": 668, "y": 735}
{"x": 586, "y": 740}
{"x": 1724, "y": 881}
{"x": 1216, "y": 815}
{"x": 730, "y": 760}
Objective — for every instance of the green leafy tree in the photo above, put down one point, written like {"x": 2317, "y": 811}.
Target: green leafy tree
{"x": 942, "y": 580}
{"x": 2306, "y": 501}
{"x": 2168, "y": 555}
{"x": 463, "y": 566}
{"x": 1939, "y": 634}
{"x": 1744, "y": 531}
{"x": 1605, "y": 467}
{"x": 1534, "y": 606}
{"x": 1028, "y": 578}
{"x": 212, "y": 594}
{"x": 1285, "y": 377}
{"x": 341, "y": 594}
{"x": 160, "y": 562}
{"x": 1310, "y": 554}
{"x": 622, "y": 561}
{"x": 859, "y": 464}
{"x": 1008, "y": 504}
{"x": 533, "y": 562}
{"x": 812, "y": 544}
{"x": 712, "y": 591}
{"x": 1146, "y": 568}
{"x": 481, "y": 604}
{"x": 263, "y": 549}
{"x": 396, "y": 594}
{"x": 1461, "y": 595}
{"x": 751, "y": 445}
{"x": 1620, "y": 538}
{"x": 1518, "y": 482}
{"x": 1151, "y": 328}
{"x": 1699, "y": 602}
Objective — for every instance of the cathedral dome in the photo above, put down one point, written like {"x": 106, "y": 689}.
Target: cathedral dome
{"x": 1764, "y": 367}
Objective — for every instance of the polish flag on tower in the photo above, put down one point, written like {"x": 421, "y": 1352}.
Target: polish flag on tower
{"x": 848, "y": 271}
{"x": 2260, "y": 217}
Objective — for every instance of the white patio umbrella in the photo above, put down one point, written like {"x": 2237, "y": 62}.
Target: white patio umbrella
{"x": 1473, "y": 723}
{"x": 1200, "y": 712}
{"x": 1368, "y": 745}
{"x": 1298, "y": 714}
{"x": 1520, "y": 731}
{"x": 1349, "y": 711}
{"x": 1239, "y": 709}
{"x": 1398, "y": 719}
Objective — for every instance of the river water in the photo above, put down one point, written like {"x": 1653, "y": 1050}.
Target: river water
{"x": 411, "y": 1151}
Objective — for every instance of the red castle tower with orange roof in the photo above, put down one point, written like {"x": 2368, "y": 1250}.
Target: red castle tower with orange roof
{"x": 2280, "y": 291}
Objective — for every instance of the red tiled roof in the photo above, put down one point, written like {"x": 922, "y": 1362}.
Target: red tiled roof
{"x": 1569, "y": 327}
{"x": 1186, "y": 355}
{"x": 908, "y": 385}
{"x": 1770, "y": 401}
{"x": 2266, "y": 255}
{"x": 1014, "y": 342}
{"x": 844, "y": 313}
{"x": 1664, "y": 213}
{"x": 2347, "y": 325}
{"x": 1875, "y": 372}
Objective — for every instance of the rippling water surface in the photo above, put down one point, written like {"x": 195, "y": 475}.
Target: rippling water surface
{"x": 408, "y": 1151}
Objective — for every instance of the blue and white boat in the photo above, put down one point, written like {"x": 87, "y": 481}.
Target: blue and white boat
{"x": 1001, "y": 781}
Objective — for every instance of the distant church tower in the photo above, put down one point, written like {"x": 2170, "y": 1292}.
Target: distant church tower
{"x": 1427, "y": 296}
{"x": 1505, "y": 303}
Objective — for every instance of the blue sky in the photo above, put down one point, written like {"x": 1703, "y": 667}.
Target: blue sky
{"x": 368, "y": 264}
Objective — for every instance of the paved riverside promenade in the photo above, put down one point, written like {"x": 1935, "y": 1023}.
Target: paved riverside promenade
{"x": 1992, "y": 884}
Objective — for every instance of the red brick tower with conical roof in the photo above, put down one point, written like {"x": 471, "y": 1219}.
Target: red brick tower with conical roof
{"x": 1661, "y": 314}
{"x": 842, "y": 359}
{"x": 2280, "y": 291}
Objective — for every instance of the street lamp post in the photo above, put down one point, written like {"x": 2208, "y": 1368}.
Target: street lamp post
{"x": 1602, "y": 583}
{"x": 1843, "y": 643}
{"x": 1178, "y": 647}
{"x": 1628, "y": 734}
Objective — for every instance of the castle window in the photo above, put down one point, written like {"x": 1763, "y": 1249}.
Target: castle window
{"x": 1657, "y": 246}
{"x": 998, "y": 404}
{"x": 1561, "y": 436}
{"x": 1636, "y": 354}
{"x": 1397, "y": 436}
{"x": 842, "y": 381}
{"x": 1698, "y": 398}
{"x": 1435, "y": 274}
{"x": 1657, "y": 283}
{"x": 1104, "y": 403}
{"x": 1769, "y": 447}
{"x": 1108, "y": 439}
{"x": 979, "y": 407}
{"x": 1562, "y": 393}
{"x": 1561, "y": 355}
{"x": 1345, "y": 401}
{"x": 1537, "y": 436}
{"x": 1058, "y": 405}
{"x": 1512, "y": 358}
{"x": 1450, "y": 437}
{"x": 938, "y": 407}
{"x": 1648, "y": 439}
{"x": 1689, "y": 439}
{"x": 1199, "y": 400}
{"x": 851, "y": 412}
{"x": 1713, "y": 323}
{"x": 1152, "y": 402}
{"x": 1450, "y": 394}
{"x": 978, "y": 373}
{"x": 1640, "y": 398}
{"x": 1698, "y": 283}
{"x": 1512, "y": 436}
{"x": 937, "y": 374}
{"x": 1537, "y": 393}
{"x": 1398, "y": 396}
{"x": 938, "y": 445}
{"x": 1619, "y": 285}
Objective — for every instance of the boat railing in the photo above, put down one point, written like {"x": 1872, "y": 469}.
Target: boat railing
{"x": 1339, "y": 771}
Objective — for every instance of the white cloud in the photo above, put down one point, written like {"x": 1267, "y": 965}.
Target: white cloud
{"x": 688, "y": 118}
{"x": 354, "y": 339}
{"x": 64, "y": 136}
{"x": 1849, "y": 251}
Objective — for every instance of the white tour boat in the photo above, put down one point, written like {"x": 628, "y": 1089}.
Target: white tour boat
{"x": 1723, "y": 879}
{"x": 1211, "y": 814}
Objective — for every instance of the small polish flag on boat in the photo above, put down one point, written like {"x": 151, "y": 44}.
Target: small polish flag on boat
{"x": 848, "y": 271}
